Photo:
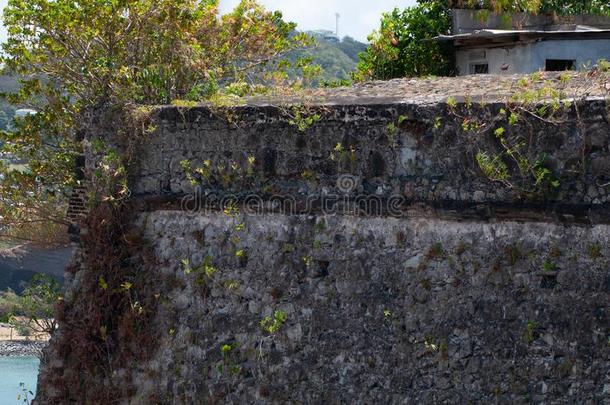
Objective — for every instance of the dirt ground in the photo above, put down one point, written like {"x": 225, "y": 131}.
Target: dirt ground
{"x": 7, "y": 332}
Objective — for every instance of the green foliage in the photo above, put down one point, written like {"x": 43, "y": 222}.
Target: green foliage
{"x": 436, "y": 251}
{"x": 272, "y": 324}
{"x": 530, "y": 330}
{"x": 560, "y": 7}
{"x": 229, "y": 359}
{"x": 110, "y": 177}
{"x": 76, "y": 55}
{"x": 203, "y": 273}
{"x": 494, "y": 167}
{"x": 225, "y": 349}
{"x": 234, "y": 174}
{"x": 36, "y": 305}
{"x": 303, "y": 117}
{"x": 9, "y": 305}
{"x": 351, "y": 47}
{"x": 337, "y": 60}
{"x": 346, "y": 158}
{"x": 532, "y": 177}
{"x": 141, "y": 51}
{"x": 401, "y": 46}
{"x": 549, "y": 265}
{"x": 451, "y": 102}
{"x": 571, "y": 7}
{"x": 515, "y": 165}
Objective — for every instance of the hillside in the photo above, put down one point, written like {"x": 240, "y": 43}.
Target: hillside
{"x": 8, "y": 84}
{"x": 337, "y": 58}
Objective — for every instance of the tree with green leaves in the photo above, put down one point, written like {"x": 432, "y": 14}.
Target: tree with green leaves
{"x": 559, "y": 7}
{"x": 401, "y": 47}
{"x": 76, "y": 54}
{"x": 572, "y": 7}
{"x": 35, "y": 306}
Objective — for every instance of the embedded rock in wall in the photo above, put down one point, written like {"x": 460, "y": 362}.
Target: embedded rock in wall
{"x": 366, "y": 259}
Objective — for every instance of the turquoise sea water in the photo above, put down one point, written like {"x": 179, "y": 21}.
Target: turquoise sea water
{"x": 15, "y": 370}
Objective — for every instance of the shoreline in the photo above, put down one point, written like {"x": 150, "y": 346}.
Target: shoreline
{"x": 21, "y": 348}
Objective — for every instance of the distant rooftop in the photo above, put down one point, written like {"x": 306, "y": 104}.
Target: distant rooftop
{"x": 486, "y": 35}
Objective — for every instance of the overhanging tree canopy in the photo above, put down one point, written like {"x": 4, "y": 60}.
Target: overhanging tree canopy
{"x": 74, "y": 54}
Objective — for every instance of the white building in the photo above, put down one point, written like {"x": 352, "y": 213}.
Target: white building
{"x": 523, "y": 43}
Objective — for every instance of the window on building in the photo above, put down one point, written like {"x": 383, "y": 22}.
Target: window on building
{"x": 559, "y": 65}
{"x": 479, "y": 68}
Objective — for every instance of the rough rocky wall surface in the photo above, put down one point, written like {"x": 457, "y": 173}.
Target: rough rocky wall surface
{"x": 419, "y": 152}
{"x": 380, "y": 311}
{"x": 395, "y": 270}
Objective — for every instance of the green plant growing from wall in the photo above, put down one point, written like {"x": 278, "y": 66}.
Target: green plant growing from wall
{"x": 494, "y": 168}
{"x": 308, "y": 175}
{"x": 272, "y": 324}
{"x": 109, "y": 179}
{"x": 430, "y": 344}
{"x": 307, "y": 261}
{"x": 228, "y": 364}
{"x": 549, "y": 266}
{"x": 509, "y": 156}
{"x": 436, "y": 251}
{"x": 346, "y": 158}
{"x": 302, "y": 116}
{"x": 391, "y": 130}
{"x": 393, "y": 127}
{"x": 230, "y": 175}
{"x": 204, "y": 273}
{"x": 530, "y": 330}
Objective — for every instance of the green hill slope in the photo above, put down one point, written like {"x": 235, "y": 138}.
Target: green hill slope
{"x": 337, "y": 58}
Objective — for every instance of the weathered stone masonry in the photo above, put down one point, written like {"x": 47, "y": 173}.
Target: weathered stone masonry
{"x": 449, "y": 289}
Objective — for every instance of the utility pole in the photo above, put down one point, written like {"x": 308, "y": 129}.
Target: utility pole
{"x": 337, "y": 16}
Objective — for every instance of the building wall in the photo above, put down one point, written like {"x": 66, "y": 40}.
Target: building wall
{"x": 528, "y": 58}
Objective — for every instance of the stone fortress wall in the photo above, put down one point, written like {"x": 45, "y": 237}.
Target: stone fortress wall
{"x": 364, "y": 259}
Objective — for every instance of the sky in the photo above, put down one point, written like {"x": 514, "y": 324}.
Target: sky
{"x": 358, "y": 17}
{"x": 2, "y": 29}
